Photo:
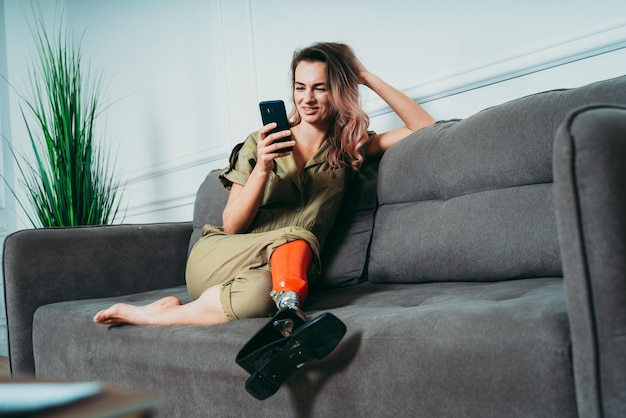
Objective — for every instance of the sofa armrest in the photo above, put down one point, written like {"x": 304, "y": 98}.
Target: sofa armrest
{"x": 43, "y": 266}
{"x": 590, "y": 198}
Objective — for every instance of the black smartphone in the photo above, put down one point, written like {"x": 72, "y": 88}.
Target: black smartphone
{"x": 274, "y": 111}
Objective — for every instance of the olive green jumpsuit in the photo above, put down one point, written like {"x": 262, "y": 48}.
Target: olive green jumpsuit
{"x": 291, "y": 208}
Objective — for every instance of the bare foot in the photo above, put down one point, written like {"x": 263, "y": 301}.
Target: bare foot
{"x": 122, "y": 313}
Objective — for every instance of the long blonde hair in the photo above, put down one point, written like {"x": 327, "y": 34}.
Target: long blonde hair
{"x": 348, "y": 128}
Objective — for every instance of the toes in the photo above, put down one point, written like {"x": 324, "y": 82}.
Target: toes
{"x": 106, "y": 316}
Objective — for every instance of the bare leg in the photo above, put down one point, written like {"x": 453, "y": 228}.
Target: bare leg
{"x": 206, "y": 310}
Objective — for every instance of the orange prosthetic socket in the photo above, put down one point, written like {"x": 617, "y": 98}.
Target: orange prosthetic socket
{"x": 290, "y": 263}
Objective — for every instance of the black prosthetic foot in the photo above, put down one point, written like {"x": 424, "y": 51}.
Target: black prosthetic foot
{"x": 279, "y": 360}
{"x": 270, "y": 338}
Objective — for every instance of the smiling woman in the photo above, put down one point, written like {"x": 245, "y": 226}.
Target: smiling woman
{"x": 330, "y": 136}
{"x": 280, "y": 209}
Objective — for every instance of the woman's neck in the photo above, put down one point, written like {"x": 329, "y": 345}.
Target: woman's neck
{"x": 309, "y": 139}
{"x": 309, "y": 136}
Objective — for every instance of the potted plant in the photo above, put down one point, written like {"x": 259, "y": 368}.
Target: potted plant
{"x": 70, "y": 181}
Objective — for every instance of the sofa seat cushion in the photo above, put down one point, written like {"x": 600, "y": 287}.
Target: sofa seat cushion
{"x": 432, "y": 348}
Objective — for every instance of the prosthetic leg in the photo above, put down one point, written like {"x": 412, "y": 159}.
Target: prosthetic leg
{"x": 290, "y": 263}
{"x": 287, "y": 342}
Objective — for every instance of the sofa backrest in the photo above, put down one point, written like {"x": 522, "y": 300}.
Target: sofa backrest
{"x": 472, "y": 199}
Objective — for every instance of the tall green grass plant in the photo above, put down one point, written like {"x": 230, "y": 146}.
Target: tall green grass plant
{"x": 70, "y": 181}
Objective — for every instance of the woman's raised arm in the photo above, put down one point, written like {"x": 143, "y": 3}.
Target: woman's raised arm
{"x": 411, "y": 113}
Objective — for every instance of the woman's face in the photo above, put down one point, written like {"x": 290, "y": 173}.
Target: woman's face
{"x": 311, "y": 92}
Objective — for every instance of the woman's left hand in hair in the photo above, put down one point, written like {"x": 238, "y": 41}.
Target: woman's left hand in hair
{"x": 409, "y": 111}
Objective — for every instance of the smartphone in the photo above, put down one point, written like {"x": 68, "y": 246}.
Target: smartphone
{"x": 274, "y": 111}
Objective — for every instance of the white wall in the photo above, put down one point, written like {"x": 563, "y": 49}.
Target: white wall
{"x": 7, "y": 222}
{"x": 185, "y": 76}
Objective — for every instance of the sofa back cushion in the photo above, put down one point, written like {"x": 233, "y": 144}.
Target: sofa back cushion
{"x": 210, "y": 201}
{"x": 472, "y": 199}
{"x": 345, "y": 254}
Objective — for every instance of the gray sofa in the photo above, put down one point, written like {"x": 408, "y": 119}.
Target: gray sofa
{"x": 480, "y": 268}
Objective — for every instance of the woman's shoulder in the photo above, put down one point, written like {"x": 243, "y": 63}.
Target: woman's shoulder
{"x": 249, "y": 144}
{"x": 252, "y": 137}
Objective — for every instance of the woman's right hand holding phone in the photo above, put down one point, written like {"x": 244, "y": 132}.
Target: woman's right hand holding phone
{"x": 272, "y": 145}
{"x": 244, "y": 200}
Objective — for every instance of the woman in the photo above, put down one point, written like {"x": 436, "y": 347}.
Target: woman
{"x": 282, "y": 204}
